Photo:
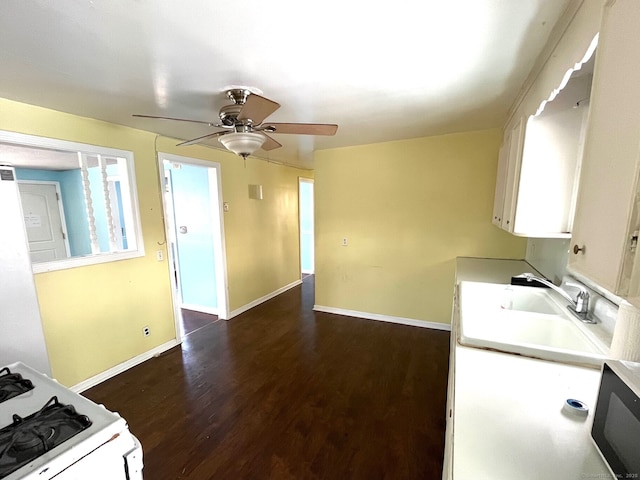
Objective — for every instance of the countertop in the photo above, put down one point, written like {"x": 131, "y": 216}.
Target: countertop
{"x": 509, "y": 422}
{"x": 507, "y": 418}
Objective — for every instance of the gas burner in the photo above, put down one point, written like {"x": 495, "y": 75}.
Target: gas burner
{"x": 32, "y": 438}
{"x": 28, "y": 438}
{"x": 12, "y": 384}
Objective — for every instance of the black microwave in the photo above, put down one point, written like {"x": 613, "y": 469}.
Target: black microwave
{"x": 616, "y": 422}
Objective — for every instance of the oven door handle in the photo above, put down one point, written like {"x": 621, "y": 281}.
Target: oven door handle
{"x": 133, "y": 461}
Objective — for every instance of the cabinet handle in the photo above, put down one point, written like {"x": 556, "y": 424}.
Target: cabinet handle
{"x": 577, "y": 249}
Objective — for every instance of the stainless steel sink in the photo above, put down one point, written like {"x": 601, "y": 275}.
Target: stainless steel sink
{"x": 525, "y": 320}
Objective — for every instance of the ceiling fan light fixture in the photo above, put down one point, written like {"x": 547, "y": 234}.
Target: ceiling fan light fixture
{"x": 242, "y": 143}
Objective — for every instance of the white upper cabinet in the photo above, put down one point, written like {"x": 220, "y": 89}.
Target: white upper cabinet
{"x": 539, "y": 162}
{"x": 501, "y": 180}
{"x": 507, "y": 178}
{"x": 606, "y": 220}
{"x": 553, "y": 146}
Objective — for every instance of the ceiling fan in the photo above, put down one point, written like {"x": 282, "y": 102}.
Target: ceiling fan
{"x": 242, "y": 126}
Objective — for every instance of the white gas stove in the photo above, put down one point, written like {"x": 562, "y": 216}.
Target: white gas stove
{"x": 49, "y": 432}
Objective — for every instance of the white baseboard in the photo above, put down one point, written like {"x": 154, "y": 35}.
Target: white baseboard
{"x": 383, "y": 318}
{"x": 260, "y": 300}
{"x": 199, "y": 308}
{"x": 112, "y": 372}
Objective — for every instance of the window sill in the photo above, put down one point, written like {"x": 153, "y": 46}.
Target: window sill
{"x": 85, "y": 261}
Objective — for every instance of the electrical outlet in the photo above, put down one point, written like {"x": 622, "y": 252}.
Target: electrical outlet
{"x": 345, "y": 242}
{"x": 146, "y": 331}
{"x": 225, "y": 206}
{"x": 160, "y": 255}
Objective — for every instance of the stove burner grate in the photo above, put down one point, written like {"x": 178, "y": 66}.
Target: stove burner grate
{"x": 27, "y": 438}
{"x": 12, "y": 384}
{"x": 32, "y": 438}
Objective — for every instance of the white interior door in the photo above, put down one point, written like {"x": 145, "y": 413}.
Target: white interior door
{"x": 44, "y": 221}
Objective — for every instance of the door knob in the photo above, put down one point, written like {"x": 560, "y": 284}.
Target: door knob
{"x": 183, "y": 229}
{"x": 577, "y": 249}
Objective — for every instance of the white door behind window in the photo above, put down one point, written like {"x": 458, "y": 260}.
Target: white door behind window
{"x": 42, "y": 217}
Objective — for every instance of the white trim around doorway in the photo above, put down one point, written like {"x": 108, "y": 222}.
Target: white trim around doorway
{"x": 218, "y": 235}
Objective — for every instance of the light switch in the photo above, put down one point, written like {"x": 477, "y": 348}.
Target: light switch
{"x": 225, "y": 206}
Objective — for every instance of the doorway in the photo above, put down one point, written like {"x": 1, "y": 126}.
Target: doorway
{"x": 305, "y": 202}
{"x": 195, "y": 242}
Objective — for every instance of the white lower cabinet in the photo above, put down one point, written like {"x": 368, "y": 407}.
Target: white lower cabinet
{"x": 606, "y": 224}
{"x": 447, "y": 468}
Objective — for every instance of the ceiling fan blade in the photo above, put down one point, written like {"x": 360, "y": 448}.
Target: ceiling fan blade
{"x": 257, "y": 108}
{"x": 270, "y": 144}
{"x": 301, "y": 128}
{"x": 200, "y": 139}
{"x": 176, "y": 119}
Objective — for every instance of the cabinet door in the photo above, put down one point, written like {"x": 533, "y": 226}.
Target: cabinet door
{"x": 603, "y": 221}
{"x": 550, "y": 162}
{"x": 515, "y": 144}
{"x": 501, "y": 181}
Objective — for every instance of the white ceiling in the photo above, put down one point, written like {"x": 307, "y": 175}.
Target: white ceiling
{"x": 381, "y": 70}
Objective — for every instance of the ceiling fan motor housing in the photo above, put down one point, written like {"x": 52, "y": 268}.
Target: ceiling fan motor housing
{"x": 229, "y": 114}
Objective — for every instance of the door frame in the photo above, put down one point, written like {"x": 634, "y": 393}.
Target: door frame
{"x": 63, "y": 222}
{"x": 215, "y": 176}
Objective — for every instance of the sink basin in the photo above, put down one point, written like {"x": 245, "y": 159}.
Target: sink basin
{"x": 530, "y": 299}
{"x": 524, "y": 320}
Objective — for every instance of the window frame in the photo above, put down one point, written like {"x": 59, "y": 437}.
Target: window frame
{"x": 99, "y": 258}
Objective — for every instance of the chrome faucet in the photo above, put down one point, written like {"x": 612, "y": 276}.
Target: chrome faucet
{"x": 579, "y": 307}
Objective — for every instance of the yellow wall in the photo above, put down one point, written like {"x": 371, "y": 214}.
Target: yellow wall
{"x": 93, "y": 316}
{"x": 408, "y": 209}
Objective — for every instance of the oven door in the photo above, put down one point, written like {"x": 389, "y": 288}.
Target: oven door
{"x": 616, "y": 425}
{"x": 118, "y": 459}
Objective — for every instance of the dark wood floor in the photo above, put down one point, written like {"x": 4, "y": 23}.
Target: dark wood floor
{"x": 283, "y": 392}
{"x": 192, "y": 320}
